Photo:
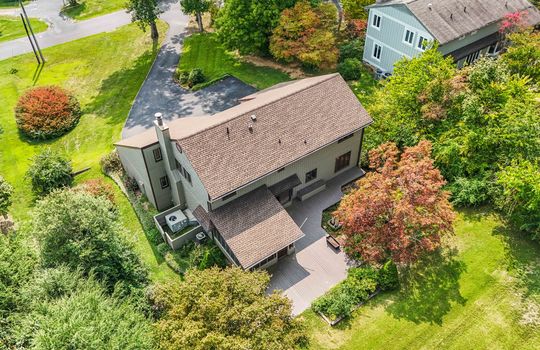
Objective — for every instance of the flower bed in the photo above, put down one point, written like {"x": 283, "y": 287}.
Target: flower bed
{"x": 361, "y": 284}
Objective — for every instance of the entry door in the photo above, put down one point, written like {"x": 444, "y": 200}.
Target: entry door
{"x": 285, "y": 196}
{"x": 282, "y": 253}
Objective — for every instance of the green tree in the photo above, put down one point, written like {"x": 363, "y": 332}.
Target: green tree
{"x": 306, "y": 34}
{"x": 17, "y": 263}
{"x": 83, "y": 232}
{"x": 246, "y": 25}
{"x": 197, "y": 8}
{"x": 523, "y": 54}
{"x": 145, "y": 13}
{"x": 6, "y": 191}
{"x": 67, "y": 311}
{"x": 520, "y": 195}
{"x": 355, "y": 9}
{"x": 225, "y": 309}
{"x": 49, "y": 170}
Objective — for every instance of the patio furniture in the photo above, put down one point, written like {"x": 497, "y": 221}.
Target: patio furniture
{"x": 332, "y": 242}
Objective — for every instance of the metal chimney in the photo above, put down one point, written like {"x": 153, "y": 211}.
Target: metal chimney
{"x": 159, "y": 118}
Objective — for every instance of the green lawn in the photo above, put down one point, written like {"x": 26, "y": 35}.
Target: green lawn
{"x": 204, "y": 51}
{"x": 105, "y": 72}
{"x": 483, "y": 294}
{"x": 13, "y": 28}
{"x": 93, "y": 8}
{"x": 11, "y": 3}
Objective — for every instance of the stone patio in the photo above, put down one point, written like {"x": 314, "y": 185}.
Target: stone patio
{"x": 315, "y": 268}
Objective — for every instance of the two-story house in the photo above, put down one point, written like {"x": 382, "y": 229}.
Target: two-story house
{"x": 463, "y": 29}
{"x": 236, "y": 170}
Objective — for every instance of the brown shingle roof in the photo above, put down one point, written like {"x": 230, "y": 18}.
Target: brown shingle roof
{"x": 448, "y": 20}
{"x": 255, "y": 226}
{"x": 291, "y": 122}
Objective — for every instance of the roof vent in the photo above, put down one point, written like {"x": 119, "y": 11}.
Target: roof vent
{"x": 279, "y": 141}
{"x": 250, "y": 127}
{"x": 228, "y": 133}
{"x": 506, "y": 4}
{"x": 305, "y": 142}
{"x": 465, "y": 9}
{"x": 451, "y": 16}
{"x": 430, "y": 6}
{"x": 254, "y": 117}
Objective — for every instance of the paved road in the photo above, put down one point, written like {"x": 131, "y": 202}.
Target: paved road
{"x": 61, "y": 29}
{"x": 160, "y": 93}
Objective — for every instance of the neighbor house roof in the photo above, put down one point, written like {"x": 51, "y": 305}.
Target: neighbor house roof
{"x": 254, "y": 226}
{"x": 448, "y": 20}
{"x": 267, "y": 131}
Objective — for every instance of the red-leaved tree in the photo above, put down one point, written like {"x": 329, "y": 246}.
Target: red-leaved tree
{"x": 399, "y": 210}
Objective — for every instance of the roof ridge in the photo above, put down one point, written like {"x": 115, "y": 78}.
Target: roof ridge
{"x": 327, "y": 77}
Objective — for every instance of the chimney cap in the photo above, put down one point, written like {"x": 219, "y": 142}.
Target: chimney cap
{"x": 159, "y": 118}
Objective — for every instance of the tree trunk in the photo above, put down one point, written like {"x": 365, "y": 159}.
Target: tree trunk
{"x": 154, "y": 32}
{"x": 199, "y": 22}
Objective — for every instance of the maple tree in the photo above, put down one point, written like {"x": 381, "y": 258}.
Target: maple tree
{"x": 399, "y": 210}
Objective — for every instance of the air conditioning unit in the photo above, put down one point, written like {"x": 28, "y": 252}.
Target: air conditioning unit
{"x": 176, "y": 221}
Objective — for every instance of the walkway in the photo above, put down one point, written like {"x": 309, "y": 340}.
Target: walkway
{"x": 160, "y": 93}
{"x": 315, "y": 268}
{"x": 61, "y": 29}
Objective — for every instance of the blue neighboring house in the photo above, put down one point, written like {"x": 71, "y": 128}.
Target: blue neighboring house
{"x": 464, "y": 29}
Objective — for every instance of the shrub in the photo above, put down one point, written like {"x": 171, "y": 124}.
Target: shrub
{"x": 469, "y": 191}
{"x": 163, "y": 248}
{"x": 196, "y": 76}
{"x": 98, "y": 188}
{"x": 388, "y": 276}
{"x": 183, "y": 77}
{"x": 5, "y": 196}
{"x": 351, "y": 49}
{"x": 47, "y": 112}
{"x": 48, "y": 171}
{"x": 350, "y": 69}
{"x": 131, "y": 184}
{"x": 110, "y": 163}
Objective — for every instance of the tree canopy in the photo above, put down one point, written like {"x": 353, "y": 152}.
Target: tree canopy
{"x": 400, "y": 210}
{"x": 197, "y": 8}
{"x": 81, "y": 231}
{"x": 6, "y": 191}
{"x": 225, "y": 309}
{"x": 145, "y": 13}
{"x": 49, "y": 170}
{"x": 306, "y": 33}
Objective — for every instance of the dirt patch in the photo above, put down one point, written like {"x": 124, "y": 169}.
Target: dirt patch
{"x": 293, "y": 70}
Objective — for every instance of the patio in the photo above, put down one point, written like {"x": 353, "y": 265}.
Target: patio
{"x": 315, "y": 268}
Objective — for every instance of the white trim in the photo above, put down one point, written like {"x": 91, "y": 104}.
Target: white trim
{"x": 418, "y": 31}
{"x": 417, "y": 42}
{"x": 373, "y": 50}
{"x": 388, "y": 47}
{"x": 380, "y": 21}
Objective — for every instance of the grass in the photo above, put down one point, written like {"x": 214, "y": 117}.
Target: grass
{"x": 204, "y": 51}
{"x": 11, "y": 3}
{"x": 482, "y": 294}
{"x": 365, "y": 87}
{"x": 13, "y": 28}
{"x": 105, "y": 72}
{"x": 92, "y": 8}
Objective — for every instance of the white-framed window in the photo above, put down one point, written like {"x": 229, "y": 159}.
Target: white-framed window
{"x": 376, "y": 21}
{"x": 377, "y": 51}
{"x": 422, "y": 43}
{"x": 494, "y": 48}
{"x": 408, "y": 37}
{"x": 471, "y": 58}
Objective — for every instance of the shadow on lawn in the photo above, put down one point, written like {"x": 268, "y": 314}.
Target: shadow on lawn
{"x": 429, "y": 288}
{"x": 118, "y": 90}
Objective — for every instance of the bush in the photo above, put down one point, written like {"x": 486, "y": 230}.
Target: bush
{"x": 196, "y": 76}
{"x": 388, "y": 276}
{"x": 5, "y": 196}
{"x": 110, "y": 163}
{"x": 469, "y": 191}
{"x": 351, "y": 49}
{"x": 183, "y": 77}
{"x": 350, "y": 69}
{"x": 49, "y": 171}
{"x": 131, "y": 184}
{"x": 98, "y": 188}
{"x": 163, "y": 248}
{"x": 47, "y": 112}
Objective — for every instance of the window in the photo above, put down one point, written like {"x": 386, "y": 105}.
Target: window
{"x": 422, "y": 43}
{"x": 157, "y": 155}
{"x": 409, "y": 37}
{"x": 186, "y": 175}
{"x": 178, "y": 147}
{"x": 345, "y": 138}
{"x": 470, "y": 59}
{"x": 377, "y": 51}
{"x": 376, "y": 21}
{"x": 311, "y": 175}
{"x": 494, "y": 49}
{"x": 342, "y": 161}
{"x": 164, "y": 181}
{"x": 179, "y": 166}
{"x": 229, "y": 196}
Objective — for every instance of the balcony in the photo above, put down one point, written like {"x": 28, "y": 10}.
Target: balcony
{"x": 185, "y": 226}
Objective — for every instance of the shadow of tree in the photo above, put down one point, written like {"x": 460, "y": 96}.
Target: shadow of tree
{"x": 118, "y": 90}
{"x": 429, "y": 288}
{"x": 522, "y": 257}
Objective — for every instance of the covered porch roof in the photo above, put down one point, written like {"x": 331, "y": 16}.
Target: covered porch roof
{"x": 254, "y": 226}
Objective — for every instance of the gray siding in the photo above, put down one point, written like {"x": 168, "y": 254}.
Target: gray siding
{"x": 395, "y": 20}
{"x": 322, "y": 160}
{"x": 194, "y": 192}
{"x": 156, "y": 170}
{"x": 468, "y": 39}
